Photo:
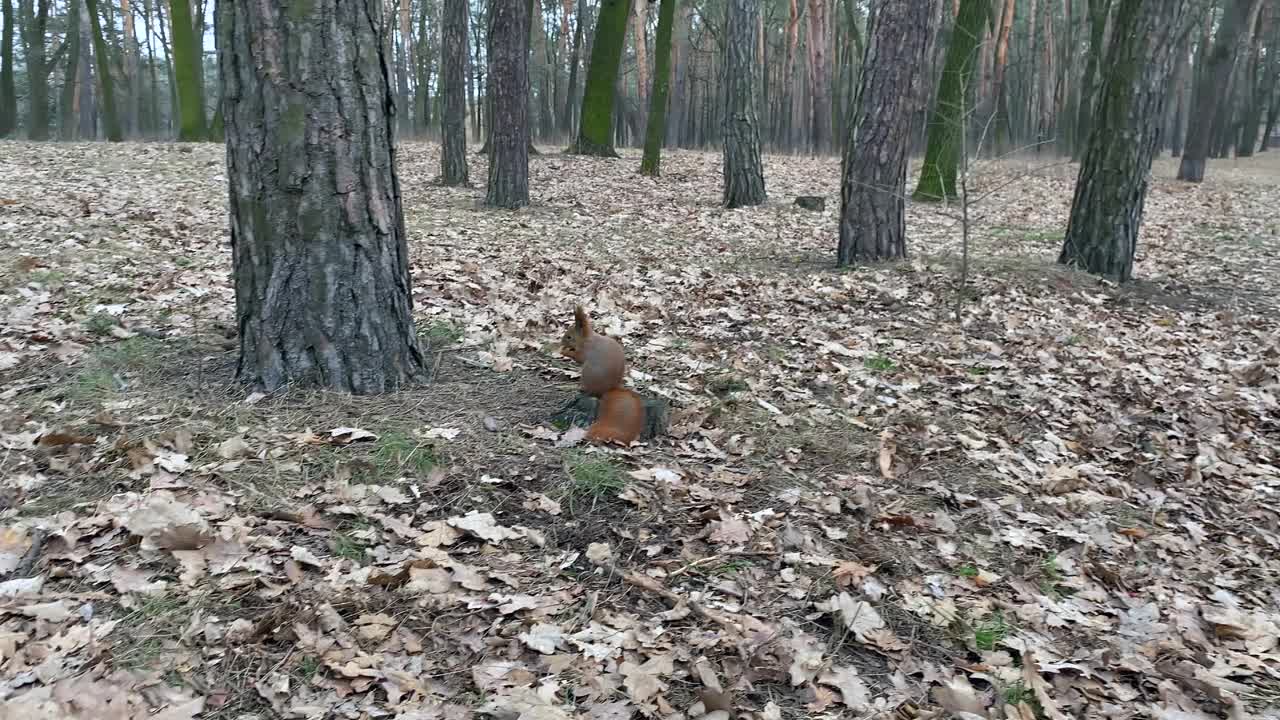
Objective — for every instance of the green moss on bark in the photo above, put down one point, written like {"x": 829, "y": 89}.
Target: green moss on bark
{"x": 187, "y": 71}
{"x": 595, "y": 131}
{"x": 942, "y": 155}
{"x": 656, "y": 129}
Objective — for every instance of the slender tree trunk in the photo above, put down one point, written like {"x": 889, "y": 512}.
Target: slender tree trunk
{"x": 1172, "y": 134}
{"x": 8, "y": 89}
{"x": 1255, "y": 91}
{"x": 110, "y": 120}
{"x": 820, "y": 74}
{"x": 1211, "y": 89}
{"x": 132, "y": 77}
{"x": 86, "y": 102}
{"x": 874, "y": 165}
{"x": 677, "y": 132}
{"x": 567, "y": 125}
{"x": 34, "y": 24}
{"x": 999, "y": 101}
{"x": 453, "y": 61}
{"x": 187, "y": 68}
{"x": 639, "y": 14}
{"x": 154, "y": 98}
{"x": 595, "y": 129}
{"x": 67, "y": 120}
{"x": 1106, "y": 212}
{"x": 174, "y": 105}
{"x": 656, "y": 129}
{"x": 743, "y": 169}
{"x": 950, "y": 110}
{"x": 509, "y": 79}
{"x": 321, "y": 262}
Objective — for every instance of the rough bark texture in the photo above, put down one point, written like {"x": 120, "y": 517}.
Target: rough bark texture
{"x": 110, "y": 118}
{"x": 1211, "y": 89}
{"x": 874, "y": 172}
{"x": 656, "y": 129}
{"x": 8, "y": 91}
{"x": 188, "y": 72}
{"x": 1098, "y": 11}
{"x": 321, "y": 263}
{"x": 950, "y": 110}
{"x": 453, "y": 78}
{"x": 743, "y": 170}
{"x": 595, "y": 127}
{"x": 639, "y": 20}
{"x": 1106, "y": 212}
{"x": 509, "y": 79}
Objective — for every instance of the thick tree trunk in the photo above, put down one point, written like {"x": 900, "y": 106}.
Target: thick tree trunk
{"x": 1106, "y": 212}
{"x": 1211, "y": 89}
{"x": 874, "y": 166}
{"x": 189, "y": 74}
{"x": 951, "y": 109}
{"x": 595, "y": 127}
{"x": 1098, "y": 12}
{"x": 8, "y": 90}
{"x": 743, "y": 170}
{"x": 321, "y": 262}
{"x": 110, "y": 120}
{"x": 819, "y": 27}
{"x": 509, "y": 79}
{"x": 453, "y": 66}
{"x": 34, "y": 23}
{"x": 656, "y": 129}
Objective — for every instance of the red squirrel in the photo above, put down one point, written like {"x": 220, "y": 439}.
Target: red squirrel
{"x": 620, "y": 417}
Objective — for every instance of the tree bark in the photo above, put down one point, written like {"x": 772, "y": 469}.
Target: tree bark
{"x": 874, "y": 166}
{"x": 680, "y": 91}
{"x": 8, "y": 90}
{"x": 571, "y": 92}
{"x": 35, "y": 21}
{"x": 1256, "y": 89}
{"x": 1106, "y": 212}
{"x": 656, "y": 128}
{"x": 453, "y": 67}
{"x": 110, "y": 120}
{"x": 1211, "y": 89}
{"x": 1098, "y": 12}
{"x": 950, "y": 110}
{"x": 595, "y": 127}
{"x": 639, "y": 15}
{"x": 321, "y": 262}
{"x": 67, "y": 120}
{"x": 509, "y": 78}
{"x": 743, "y": 170}
{"x": 999, "y": 101}
{"x": 819, "y": 27}
{"x": 188, "y": 71}
{"x": 133, "y": 106}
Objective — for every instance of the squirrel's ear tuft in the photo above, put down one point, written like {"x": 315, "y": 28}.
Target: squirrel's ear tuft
{"x": 580, "y": 320}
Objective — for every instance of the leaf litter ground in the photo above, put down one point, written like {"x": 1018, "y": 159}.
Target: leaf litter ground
{"x": 1060, "y": 503}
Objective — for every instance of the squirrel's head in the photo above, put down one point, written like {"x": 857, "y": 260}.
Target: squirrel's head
{"x": 572, "y": 341}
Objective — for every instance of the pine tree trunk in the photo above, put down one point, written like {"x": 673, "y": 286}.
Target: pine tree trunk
{"x": 174, "y": 104}
{"x": 820, "y": 75}
{"x": 86, "y": 98}
{"x": 154, "y": 96}
{"x": 656, "y": 128}
{"x": 639, "y": 15}
{"x": 595, "y": 127}
{"x": 34, "y": 24}
{"x": 188, "y": 71}
{"x": 67, "y": 120}
{"x": 874, "y": 165}
{"x": 1098, "y": 12}
{"x": 1106, "y": 212}
{"x": 571, "y": 91}
{"x": 509, "y": 80}
{"x": 743, "y": 170}
{"x": 1211, "y": 90}
{"x": 8, "y": 89}
{"x": 950, "y": 110}
{"x": 1255, "y": 92}
{"x": 679, "y": 105}
{"x": 1002, "y": 129}
{"x": 1172, "y": 134}
{"x": 320, "y": 258}
{"x": 110, "y": 120}
{"x": 453, "y": 67}
{"x": 132, "y": 78}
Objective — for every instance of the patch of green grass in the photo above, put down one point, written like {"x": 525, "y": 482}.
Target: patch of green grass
{"x": 979, "y": 370}
{"x": 308, "y": 667}
{"x": 879, "y": 364}
{"x": 47, "y": 278}
{"x": 136, "y": 353}
{"x": 732, "y": 567}
{"x": 399, "y": 454}
{"x": 990, "y": 632}
{"x": 592, "y": 477}
{"x": 100, "y": 324}
{"x": 347, "y": 547}
{"x": 441, "y": 333}
{"x": 1018, "y": 693}
{"x": 968, "y": 571}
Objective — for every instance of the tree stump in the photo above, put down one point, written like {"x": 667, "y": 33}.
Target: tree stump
{"x": 581, "y": 412}
{"x": 816, "y": 203}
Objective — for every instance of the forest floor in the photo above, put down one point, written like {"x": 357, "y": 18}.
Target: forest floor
{"x": 1059, "y": 502}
